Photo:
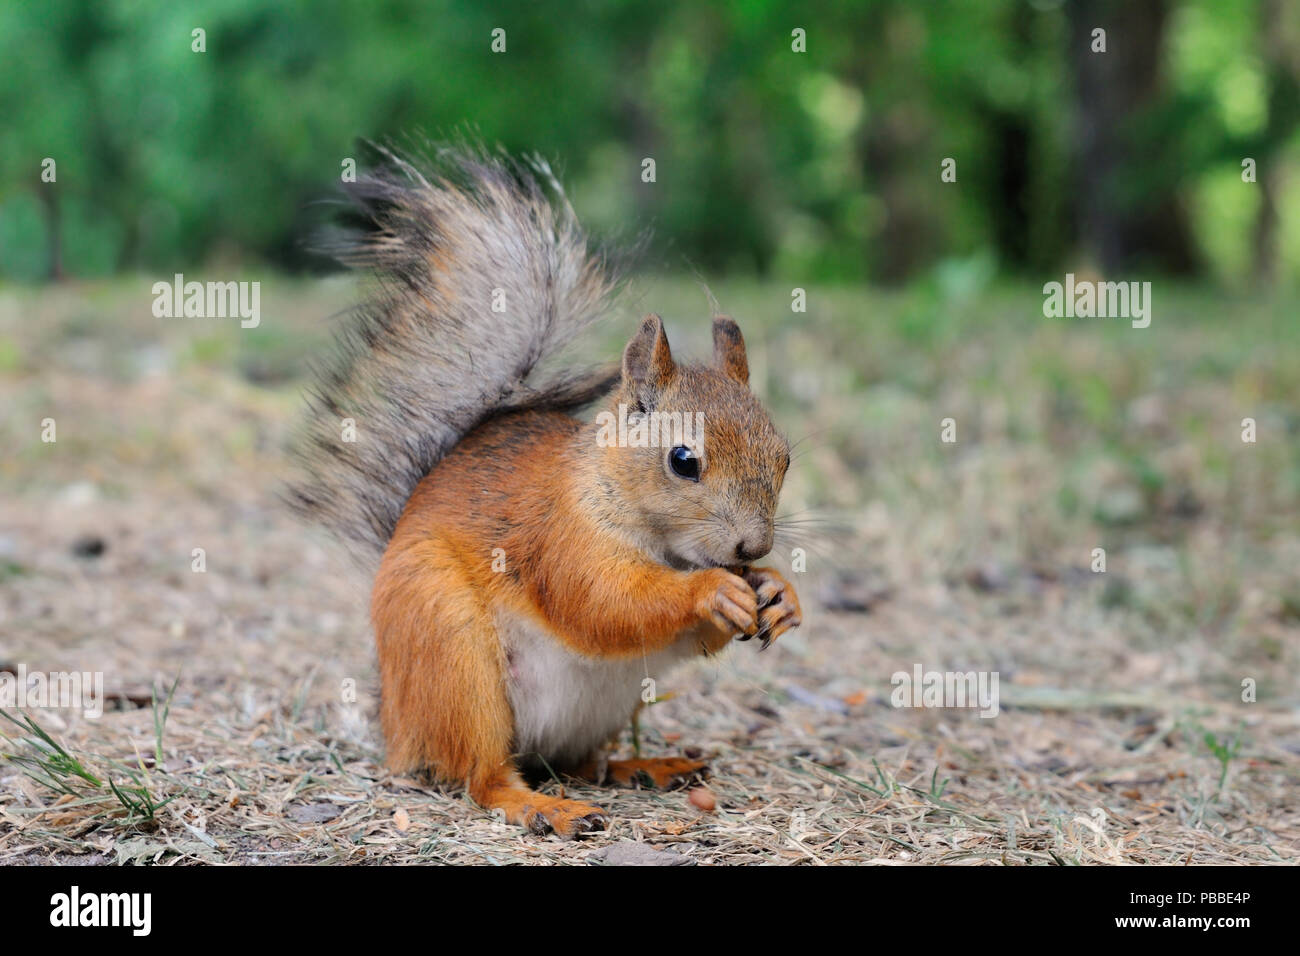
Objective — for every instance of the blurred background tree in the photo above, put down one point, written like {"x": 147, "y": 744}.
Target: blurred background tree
{"x": 816, "y": 166}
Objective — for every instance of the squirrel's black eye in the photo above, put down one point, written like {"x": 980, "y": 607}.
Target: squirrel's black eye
{"x": 684, "y": 463}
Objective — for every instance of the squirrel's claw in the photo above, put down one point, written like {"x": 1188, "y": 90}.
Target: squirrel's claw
{"x": 778, "y": 605}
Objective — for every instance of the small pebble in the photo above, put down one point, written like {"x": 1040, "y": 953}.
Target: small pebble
{"x": 89, "y": 546}
{"x": 703, "y": 799}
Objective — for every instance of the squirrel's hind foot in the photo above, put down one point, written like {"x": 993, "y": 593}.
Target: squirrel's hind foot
{"x": 542, "y": 814}
{"x": 661, "y": 773}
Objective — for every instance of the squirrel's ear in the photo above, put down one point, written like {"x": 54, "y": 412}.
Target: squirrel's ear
{"x": 729, "y": 349}
{"x": 647, "y": 360}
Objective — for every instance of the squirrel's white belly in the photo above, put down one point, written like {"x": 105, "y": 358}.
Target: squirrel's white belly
{"x": 568, "y": 706}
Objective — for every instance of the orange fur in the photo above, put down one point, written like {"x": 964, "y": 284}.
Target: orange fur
{"x": 660, "y": 772}
{"x": 534, "y": 485}
{"x": 619, "y": 557}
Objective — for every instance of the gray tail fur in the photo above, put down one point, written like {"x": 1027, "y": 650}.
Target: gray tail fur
{"x": 425, "y": 358}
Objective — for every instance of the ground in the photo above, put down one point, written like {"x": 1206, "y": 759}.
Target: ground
{"x": 1148, "y": 712}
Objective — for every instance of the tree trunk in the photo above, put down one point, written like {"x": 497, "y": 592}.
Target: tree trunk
{"x": 53, "y": 231}
{"x": 1283, "y": 79}
{"x": 1127, "y": 216}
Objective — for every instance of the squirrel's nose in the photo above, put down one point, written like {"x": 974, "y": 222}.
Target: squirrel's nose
{"x": 751, "y": 550}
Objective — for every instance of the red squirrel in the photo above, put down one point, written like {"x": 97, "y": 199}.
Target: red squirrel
{"x": 532, "y": 571}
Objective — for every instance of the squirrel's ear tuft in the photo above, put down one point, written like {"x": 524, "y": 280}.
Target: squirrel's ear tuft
{"x": 729, "y": 349}
{"x": 647, "y": 360}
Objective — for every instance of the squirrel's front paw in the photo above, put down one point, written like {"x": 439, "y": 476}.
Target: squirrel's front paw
{"x": 778, "y": 604}
{"x": 726, "y": 601}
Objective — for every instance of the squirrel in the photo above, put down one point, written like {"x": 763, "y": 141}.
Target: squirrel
{"x": 530, "y": 571}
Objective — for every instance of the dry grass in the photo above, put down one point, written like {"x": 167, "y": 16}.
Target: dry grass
{"x": 967, "y": 557}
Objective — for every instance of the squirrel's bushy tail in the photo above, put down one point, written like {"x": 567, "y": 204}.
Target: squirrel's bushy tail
{"x": 425, "y": 358}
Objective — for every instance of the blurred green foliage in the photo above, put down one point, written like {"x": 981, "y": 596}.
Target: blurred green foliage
{"x": 820, "y": 165}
